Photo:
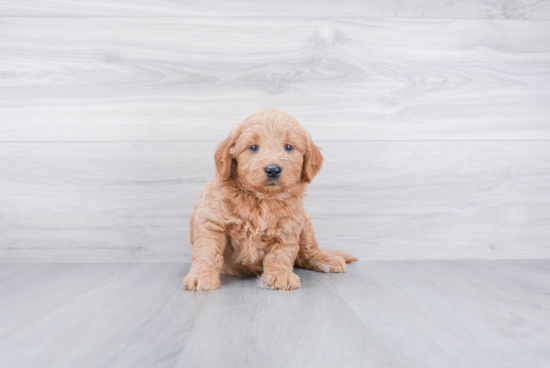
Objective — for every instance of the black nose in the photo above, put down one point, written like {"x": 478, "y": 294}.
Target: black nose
{"x": 272, "y": 171}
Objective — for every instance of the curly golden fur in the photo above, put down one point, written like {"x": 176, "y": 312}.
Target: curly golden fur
{"x": 247, "y": 223}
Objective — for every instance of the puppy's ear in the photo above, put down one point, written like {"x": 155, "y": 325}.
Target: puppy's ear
{"x": 313, "y": 160}
{"x": 223, "y": 158}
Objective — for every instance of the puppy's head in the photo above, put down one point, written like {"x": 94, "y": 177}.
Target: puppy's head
{"x": 269, "y": 152}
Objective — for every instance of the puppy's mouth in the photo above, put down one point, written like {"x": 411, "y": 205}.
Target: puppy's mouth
{"x": 271, "y": 182}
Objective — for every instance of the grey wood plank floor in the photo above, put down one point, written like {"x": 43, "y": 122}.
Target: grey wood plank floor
{"x": 378, "y": 314}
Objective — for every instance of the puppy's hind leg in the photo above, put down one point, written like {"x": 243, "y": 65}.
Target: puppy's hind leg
{"x": 347, "y": 257}
{"x": 312, "y": 257}
{"x": 321, "y": 260}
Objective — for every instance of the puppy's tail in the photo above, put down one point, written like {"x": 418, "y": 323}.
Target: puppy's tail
{"x": 349, "y": 258}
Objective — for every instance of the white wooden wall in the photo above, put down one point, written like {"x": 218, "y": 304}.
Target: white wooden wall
{"x": 434, "y": 118}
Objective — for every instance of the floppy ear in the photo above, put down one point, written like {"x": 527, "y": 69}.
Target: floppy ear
{"x": 223, "y": 158}
{"x": 313, "y": 160}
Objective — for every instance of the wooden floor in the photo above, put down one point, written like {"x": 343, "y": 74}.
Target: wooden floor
{"x": 378, "y": 314}
{"x": 434, "y": 118}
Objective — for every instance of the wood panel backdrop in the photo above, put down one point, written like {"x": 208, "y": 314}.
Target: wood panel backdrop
{"x": 434, "y": 118}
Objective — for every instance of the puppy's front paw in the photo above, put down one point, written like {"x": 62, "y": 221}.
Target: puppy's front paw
{"x": 202, "y": 281}
{"x": 326, "y": 262}
{"x": 280, "y": 279}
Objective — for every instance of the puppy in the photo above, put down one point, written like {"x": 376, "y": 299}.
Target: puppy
{"x": 250, "y": 219}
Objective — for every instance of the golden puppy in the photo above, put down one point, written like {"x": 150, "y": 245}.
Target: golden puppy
{"x": 250, "y": 219}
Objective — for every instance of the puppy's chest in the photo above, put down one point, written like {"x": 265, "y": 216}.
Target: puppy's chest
{"x": 263, "y": 224}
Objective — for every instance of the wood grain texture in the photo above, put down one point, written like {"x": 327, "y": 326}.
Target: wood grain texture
{"x": 26, "y": 292}
{"x": 157, "y": 79}
{"x": 517, "y": 9}
{"x": 243, "y": 325}
{"x": 536, "y": 265}
{"x": 139, "y": 317}
{"x": 459, "y": 314}
{"x": 401, "y": 314}
{"x": 131, "y": 202}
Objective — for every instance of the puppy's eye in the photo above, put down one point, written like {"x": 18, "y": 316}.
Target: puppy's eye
{"x": 288, "y": 147}
{"x": 254, "y": 148}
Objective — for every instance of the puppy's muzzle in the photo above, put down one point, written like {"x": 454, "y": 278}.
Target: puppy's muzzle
{"x": 272, "y": 171}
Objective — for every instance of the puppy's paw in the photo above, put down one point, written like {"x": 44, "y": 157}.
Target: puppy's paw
{"x": 203, "y": 281}
{"x": 281, "y": 280}
{"x": 326, "y": 262}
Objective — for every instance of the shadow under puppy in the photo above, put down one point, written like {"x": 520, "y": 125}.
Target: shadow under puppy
{"x": 250, "y": 219}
